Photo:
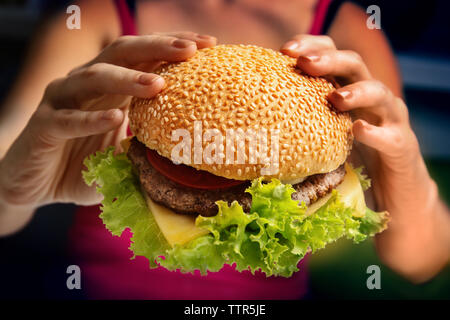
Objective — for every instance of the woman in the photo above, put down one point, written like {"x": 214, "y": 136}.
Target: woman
{"x": 84, "y": 110}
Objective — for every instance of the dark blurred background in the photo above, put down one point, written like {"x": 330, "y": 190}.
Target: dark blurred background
{"x": 33, "y": 262}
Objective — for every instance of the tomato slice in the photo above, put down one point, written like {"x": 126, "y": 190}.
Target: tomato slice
{"x": 188, "y": 176}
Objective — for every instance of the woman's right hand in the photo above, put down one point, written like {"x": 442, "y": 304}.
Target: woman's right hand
{"x": 84, "y": 112}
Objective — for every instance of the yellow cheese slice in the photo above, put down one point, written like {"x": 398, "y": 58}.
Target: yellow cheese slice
{"x": 176, "y": 228}
{"x": 125, "y": 144}
{"x": 350, "y": 192}
{"x": 180, "y": 229}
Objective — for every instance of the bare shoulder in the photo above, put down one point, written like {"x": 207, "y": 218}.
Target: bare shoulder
{"x": 350, "y": 32}
{"x": 349, "y": 27}
{"x": 98, "y": 19}
{"x": 56, "y": 49}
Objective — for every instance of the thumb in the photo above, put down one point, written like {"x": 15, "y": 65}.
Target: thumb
{"x": 71, "y": 123}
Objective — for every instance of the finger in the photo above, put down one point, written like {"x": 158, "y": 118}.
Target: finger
{"x": 345, "y": 66}
{"x": 68, "y": 124}
{"x": 305, "y": 44}
{"x": 99, "y": 79}
{"x": 201, "y": 40}
{"x": 132, "y": 50}
{"x": 371, "y": 95}
{"x": 379, "y": 138}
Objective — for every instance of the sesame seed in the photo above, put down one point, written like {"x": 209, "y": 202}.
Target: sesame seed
{"x": 230, "y": 86}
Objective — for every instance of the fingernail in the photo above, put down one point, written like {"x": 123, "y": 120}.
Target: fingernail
{"x": 109, "y": 114}
{"x": 147, "y": 79}
{"x": 291, "y": 45}
{"x": 311, "y": 58}
{"x": 343, "y": 94}
{"x": 181, "y": 44}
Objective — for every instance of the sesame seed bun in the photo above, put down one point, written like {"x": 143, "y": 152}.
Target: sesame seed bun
{"x": 247, "y": 87}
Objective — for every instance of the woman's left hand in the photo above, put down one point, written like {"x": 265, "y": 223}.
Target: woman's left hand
{"x": 380, "y": 119}
{"x": 385, "y": 141}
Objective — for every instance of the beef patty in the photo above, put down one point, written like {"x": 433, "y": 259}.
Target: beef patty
{"x": 187, "y": 200}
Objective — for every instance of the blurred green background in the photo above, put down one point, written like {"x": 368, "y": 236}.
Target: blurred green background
{"x": 339, "y": 272}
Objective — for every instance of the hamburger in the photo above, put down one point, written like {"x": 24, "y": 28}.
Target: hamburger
{"x": 239, "y": 160}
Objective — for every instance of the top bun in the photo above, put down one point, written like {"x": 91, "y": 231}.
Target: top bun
{"x": 247, "y": 87}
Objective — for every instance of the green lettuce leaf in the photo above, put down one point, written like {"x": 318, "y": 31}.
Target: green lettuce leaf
{"x": 363, "y": 178}
{"x": 273, "y": 237}
{"x": 124, "y": 205}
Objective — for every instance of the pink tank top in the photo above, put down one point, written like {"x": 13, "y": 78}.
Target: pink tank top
{"x": 109, "y": 273}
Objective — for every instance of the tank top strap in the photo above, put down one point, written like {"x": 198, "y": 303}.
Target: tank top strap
{"x": 325, "y": 13}
{"x": 125, "y": 10}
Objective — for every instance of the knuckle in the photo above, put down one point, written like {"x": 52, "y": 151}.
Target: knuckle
{"x": 403, "y": 109}
{"x": 20, "y": 189}
{"x": 94, "y": 70}
{"x": 328, "y": 40}
{"x": 319, "y": 41}
{"x": 356, "y": 67}
{"x": 62, "y": 119}
{"x": 76, "y": 70}
{"x": 53, "y": 87}
{"x": 400, "y": 104}
{"x": 168, "y": 40}
{"x": 86, "y": 120}
{"x": 382, "y": 90}
{"x": 14, "y": 195}
{"x": 354, "y": 57}
{"x": 39, "y": 118}
{"x": 398, "y": 140}
{"x": 300, "y": 37}
{"x": 403, "y": 141}
{"x": 160, "y": 40}
{"x": 120, "y": 41}
{"x": 114, "y": 49}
